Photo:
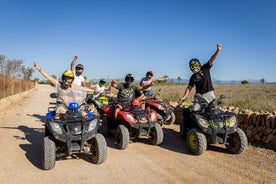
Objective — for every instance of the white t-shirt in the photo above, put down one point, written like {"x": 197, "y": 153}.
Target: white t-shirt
{"x": 78, "y": 79}
{"x": 99, "y": 90}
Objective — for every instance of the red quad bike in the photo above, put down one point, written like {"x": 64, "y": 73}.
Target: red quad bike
{"x": 163, "y": 108}
{"x": 132, "y": 122}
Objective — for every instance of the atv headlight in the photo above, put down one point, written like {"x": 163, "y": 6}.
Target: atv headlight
{"x": 202, "y": 122}
{"x": 130, "y": 118}
{"x": 56, "y": 128}
{"x": 232, "y": 121}
{"x": 153, "y": 117}
{"x": 92, "y": 125}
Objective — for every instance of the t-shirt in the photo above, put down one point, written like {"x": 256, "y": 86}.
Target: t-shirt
{"x": 78, "y": 79}
{"x": 127, "y": 94}
{"x": 99, "y": 90}
{"x": 144, "y": 82}
{"x": 202, "y": 80}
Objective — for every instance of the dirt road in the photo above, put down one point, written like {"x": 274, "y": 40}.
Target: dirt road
{"x": 21, "y": 133}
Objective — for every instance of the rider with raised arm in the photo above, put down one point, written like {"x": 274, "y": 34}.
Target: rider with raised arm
{"x": 148, "y": 80}
{"x": 79, "y": 78}
{"x": 201, "y": 79}
{"x": 64, "y": 87}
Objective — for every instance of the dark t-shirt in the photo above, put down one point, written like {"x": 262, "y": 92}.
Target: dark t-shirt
{"x": 127, "y": 94}
{"x": 202, "y": 80}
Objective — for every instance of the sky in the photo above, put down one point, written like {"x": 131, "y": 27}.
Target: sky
{"x": 117, "y": 37}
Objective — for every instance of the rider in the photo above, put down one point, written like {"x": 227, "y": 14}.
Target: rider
{"x": 127, "y": 92}
{"x": 64, "y": 87}
{"x": 201, "y": 79}
{"x": 79, "y": 78}
{"x": 98, "y": 88}
{"x": 147, "y": 80}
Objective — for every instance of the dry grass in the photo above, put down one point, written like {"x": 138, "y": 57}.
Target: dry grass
{"x": 11, "y": 86}
{"x": 256, "y": 97}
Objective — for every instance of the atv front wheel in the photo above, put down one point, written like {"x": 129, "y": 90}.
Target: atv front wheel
{"x": 156, "y": 134}
{"x": 98, "y": 149}
{"x": 170, "y": 119}
{"x": 196, "y": 141}
{"x": 237, "y": 142}
{"x": 122, "y": 137}
{"x": 49, "y": 153}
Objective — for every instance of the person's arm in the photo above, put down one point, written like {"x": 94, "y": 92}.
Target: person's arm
{"x": 74, "y": 61}
{"x": 46, "y": 75}
{"x": 83, "y": 83}
{"x": 160, "y": 79}
{"x": 186, "y": 93}
{"x": 141, "y": 88}
{"x": 215, "y": 55}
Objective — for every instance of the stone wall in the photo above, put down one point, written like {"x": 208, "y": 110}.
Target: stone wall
{"x": 259, "y": 127}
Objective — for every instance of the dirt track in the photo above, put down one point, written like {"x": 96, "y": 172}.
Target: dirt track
{"x": 21, "y": 133}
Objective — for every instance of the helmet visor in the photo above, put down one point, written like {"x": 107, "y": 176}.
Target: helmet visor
{"x": 195, "y": 66}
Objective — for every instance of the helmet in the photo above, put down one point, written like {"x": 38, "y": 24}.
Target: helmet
{"x": 102, "y": 82}
{"x": 80, "y": 66}
{"x": 129, "y": 79}
{"x": 67, "y": 73}
{"x": 64, "y": 83}
{"x": 149, "y": 73}
{"x": 195, "y": 65}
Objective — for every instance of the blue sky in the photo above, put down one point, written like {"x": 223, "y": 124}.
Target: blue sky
{"x": 116, "y": 37}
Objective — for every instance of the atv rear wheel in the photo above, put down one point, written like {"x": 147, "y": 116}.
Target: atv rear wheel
{"x": 49, "y": 153}
{"x": 98, "y": 149}
{"x": 156, "y": 135}
{"x": 170, "y": 119}
{"x": 196, "y": 141}
{"x": 237, "y": 142}
{"x": 122, "y": 137}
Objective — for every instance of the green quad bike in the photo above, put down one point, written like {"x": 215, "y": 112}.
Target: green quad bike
{"x": 211, "y": 125}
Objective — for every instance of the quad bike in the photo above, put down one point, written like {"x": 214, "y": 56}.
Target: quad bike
{"x": 211, "y": 125}
{"x": 72, "y": 133}
{"x": 96, "y": 104}
{"x": 163, "y": 108}
{"x": 132, "y": 123}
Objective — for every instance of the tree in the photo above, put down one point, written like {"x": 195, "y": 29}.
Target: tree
{"x": 27, "y": 72}
{"x": 244, "y": 82}
{"x": 262, "y": 81}
{"x": 179, "y": 79}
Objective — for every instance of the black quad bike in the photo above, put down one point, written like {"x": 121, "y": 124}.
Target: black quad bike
{"x": 72, "y": 133}
{"x": 211, "y": 125}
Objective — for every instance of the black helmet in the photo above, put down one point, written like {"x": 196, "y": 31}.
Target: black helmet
{"x": 129, "y": 79}
{"x": 79, "y": 66}
{"x": 195, "y": 65}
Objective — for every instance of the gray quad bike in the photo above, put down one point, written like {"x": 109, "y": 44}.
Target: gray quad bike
{"x": 211, "y": 125}
{"x": 72, "y": 134}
